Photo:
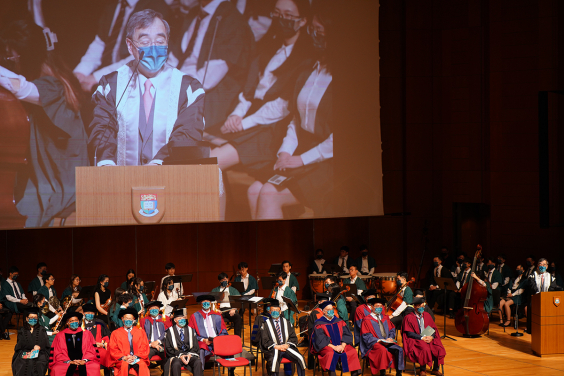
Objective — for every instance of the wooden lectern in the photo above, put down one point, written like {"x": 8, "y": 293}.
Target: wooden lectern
{"x": 128, "y": 195}
{"x": 547, "y": 326}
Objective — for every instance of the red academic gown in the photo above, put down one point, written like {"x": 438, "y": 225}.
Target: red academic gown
{"x": 197, "y": 323}
{"x": 102, "y": 352}
{"x": 119, "y": 347}
{"x": 334, "y": 332}
{"x": 418, "y": 350}
{"x": 63, "y": 351}
{"x": 378, "y": 354}
{"x": 361, "y": 312}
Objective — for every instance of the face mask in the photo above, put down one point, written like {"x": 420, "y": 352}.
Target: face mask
{"x": 286, "y": 28}
{"x": 182, "y": 323}
{"x": 32, "y": 322}
{"x": 519, "y": 272}
{"x": 499, "y": 261}
{"x": 44, "y": 272}
{"x": 280, "y": 283}
{"x": 74, "y": 325}
{"x": 275, "y": 314}
{"x": 154, "y": 312}
{"x": 15, "y": 277}
{"x": 319, "y": 257}
{"x": 154, "y": 58}
{"x": 331, "y": 313}
{"x": 319, "y": 42}
{"x": 529, "y": 264}
{"x": 224, "y": 283}
{"x": 378, "y": 310}
{"x": 106, "y": 284}
{"x": 170, "y": 288}
{"x": 421, "y": 309}
{"x": 364, "y": 254}
{"x": 206, "y": 305}
{"x": 542, "y": 269}
{"x": 89, "y": 316}
{"x": 436, "y": 263}
{"x": 398, "y": 281}
{"x": 326, "y": 285}
{"x": 141, "y": 288}
{"x": 128, "y": 323}
{"x": 460, "y": 261}
{"x": 130, "y": 304}
{"x": 492, "y": 266}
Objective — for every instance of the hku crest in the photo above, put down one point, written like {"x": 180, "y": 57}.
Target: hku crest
{"x": 148, "y": 204}
{"x": 556, "y": 300}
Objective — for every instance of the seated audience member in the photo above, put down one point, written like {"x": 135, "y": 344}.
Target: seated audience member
{"x": 260, "y": 319}
{"x": 354, "y": 279}
{"x": 554, "y": 272}
{"x": 101, "y": 334}
{"x": 72, "y": 291}
{"x": 230, "y": 315}
{"x": 377, "y": 341}
{"x": 31, "y": 337}
{"x": 129, "y": 347}
{"x": 37, "y": 282}
{"x": 155, "y": 326}
{"x": 283, "y": 290}
{"x": 332, "y": 342}
{"x": 420, "y": 294}
{"x": 129, "y": 276}
{"x": 306, "y": 152}
{"x": 168, "y": 295}
{"x": 310, "y": 319}
{"x": 108, "y": 51}
{"x": 317, "y": 266}
{"x": 48, "y": 291}
{"x": 513, "y": 297}
{"x": 124, "y": 301}
{"x": 231, "y": 55}
{"x": 434, "y": 293}
{"x": 182, "y": 348}
{"x": 291, "y": 281}
{"x": 279, "y": 341}
{"x": 407, "y": 296}
{"x": 13, "y": 293}
{"x": 361, "y": 312}
{"x": 258, "y": 14}
{"x": 344, "y": 260}
{"x": 74, "y": 350}
{"x": 427, "y": 349}
{"x": 39, "y": 301}
{"x": 208, "y": 325}
{"x": 5, "y": 318}
{"x": 365, "y": 263}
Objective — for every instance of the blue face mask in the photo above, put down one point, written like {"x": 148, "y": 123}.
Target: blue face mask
{"x": 128, "y": 323}
{"x": 89, "y": 316}
{"x": 378, "y": 310}
{"x": 267, "y": 309}
{"x": 74, "y": 325}
{"x": 275, "y": 314}
{"x": 170, "y": 288}
{"x": 224, "y": 283}
{"x": 32, "y": 322}
{"x": 106, "y": 284}
{"x": 280, "y": 283}
{"x": 141, "y": 288}
{"x": 154, "y": 58}
{"x": 206, "y": 305}
{"x": 181, "y": 323}
{"x": 421, "y": 309}
{"x": 542, "y": 269}
{"x": 154, "y": 312}
{"x": 331, "y": 313}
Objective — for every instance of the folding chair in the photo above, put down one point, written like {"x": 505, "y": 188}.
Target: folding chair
{"x": 229, "y": 346}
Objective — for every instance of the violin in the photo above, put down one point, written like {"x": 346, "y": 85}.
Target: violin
{"x": 472, "y": 320}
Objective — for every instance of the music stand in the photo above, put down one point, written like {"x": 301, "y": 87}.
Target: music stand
{"x": 275, "y": 269}
{"x": 292, "y": 307}
{"x": 150, "y": 286}
{"x": 445, "y": 284}
{"x": 179, "y": 304}
{"x": 239, "y": 286}
{"x": 352, "y": 290}
{"x": 181, "y": 279}
{"x": 268, "y": 283}
{"x": 335, "y": 269}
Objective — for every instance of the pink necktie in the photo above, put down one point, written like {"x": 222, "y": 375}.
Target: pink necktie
{"x": 147, "y": 99}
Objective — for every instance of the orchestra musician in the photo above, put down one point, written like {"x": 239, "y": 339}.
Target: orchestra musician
{"x": 128, "y": 278}
{"x": 73, "y": 290}
{"x": 333, "y": 289}
{"x": 39, "y": 301}
{"x": 48, "y": 291}
{"x": 182, "y": 349}
{"x": 129, "y": 347}
{"x": 102, "y": 296}
{"x": 249, "y": 282}
{"x": 434, "y": 293}
{"x": 406, "y": 295}
{"x": 101, "y": 334}
{"x": 360, "y": 287}
{"x": 124, "y": 301}
{"x": 170, "y": 269}
{"x": 14, "y": 297}
{"x": 281, "y": 289}
{"x": 365, "y": 263}
{"x": 291, "y": 281}
{"x": 37, "y": 282}
{"x": 168, "y": 295}
{"x": 317, "y": 266}
{"x": 229, "y": 314}
{"x": 515, "y": 291}
{"x": 137, "y": 290}
{"x": 344, "y": 261}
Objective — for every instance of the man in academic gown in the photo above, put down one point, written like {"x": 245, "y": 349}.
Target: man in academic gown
{"x": 260, "y": 319}
{"x": 540, "y": 281}
{"x": 425, "y": 350}
{"x": 73, "y": 350}
{"x": 101, "y": 334}
{"x": 283, "y": 290}
{"x": 377, "y": 341}
{"x": 37, "y": 282}
{"x": 279, "y": 341}
{"x": 129, "y": 347}
{"x": 208, "y": 325}
{"x": 361, "y": 312}
{"x": 182, "y": 348}
{"x": 332, "y": 342}
{"x": 161, "y": 107}
{"x": 155, "y": 325}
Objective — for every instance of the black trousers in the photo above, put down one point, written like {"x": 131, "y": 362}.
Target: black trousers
{"x": 174, "y": 365}
{"x": 236, "y": 319}
{"x": 397, "y": 321}
{"x": 351, "y": 307}
{"x": 5, "y": 317}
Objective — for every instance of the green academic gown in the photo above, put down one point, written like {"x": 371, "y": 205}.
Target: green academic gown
{"x": 253, "y": 285}
{"x": 43, "y": 290}
{"x": 294, "y": 282}
{"x": 232, "y": 291}
{"x": 115, "y": 317}
{"x": 360, "y": 285}
{"x": 34, "y": 285}
{"x": 44, "y": 322}
{"x": 136, "y": 303}
{"x": 45, "y": 188}
{"x": 124, "y": 286}
{"x": 288, "y": 293}
{"x": 342, "y": 308}
{"x": 8, "y": 290}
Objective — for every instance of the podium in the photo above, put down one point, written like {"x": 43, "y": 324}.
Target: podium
{"x": 547, "y": 320}
{"x": 128, "y": 195}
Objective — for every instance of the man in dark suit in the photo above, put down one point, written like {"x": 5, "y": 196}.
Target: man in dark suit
{"x": 182, "y": 349}
{"x": 495, "y": 279}
{"x": 434, "y": 293}
{"x": 504, "y": 269}
{"x": 344, "y": 260}
{"x": 365, "y": 263}
{"x": 222, "y": 68}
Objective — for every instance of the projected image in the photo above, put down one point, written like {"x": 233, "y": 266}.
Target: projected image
{"x": 164, "y": 112}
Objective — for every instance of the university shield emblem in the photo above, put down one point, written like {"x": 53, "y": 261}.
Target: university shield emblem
{"x": 148, "y": 204}
{"x": 556, "y": 300}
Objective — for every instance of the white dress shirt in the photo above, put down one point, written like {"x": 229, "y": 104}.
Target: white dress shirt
{"x": 319, "y": 264}
{"x": 51, "y": 308}
{"x": 494, "y": 285}
{"x": 515, "y": 285}
{"x": 167, "y": 301}
{"x": 245, "y": 281}
{"x": 208, "y": 324}
{"x": 225, "y": 303}
{"x": 92, "y": 59}
{"x": 15, "y": 286}
{"x": 287, "y": 282}
{"x": 437, "y": 273}
{"x": 506, "y": 280}
{"x": 176, "y": 285}
{"x": 279, "y": 295}
{"x": 343, "y": 261}
{"x": 308, "y": 101}
{"x": 40, "y": 277}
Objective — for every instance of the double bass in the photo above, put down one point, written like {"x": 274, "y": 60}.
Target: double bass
{"x": 472, "y": 320}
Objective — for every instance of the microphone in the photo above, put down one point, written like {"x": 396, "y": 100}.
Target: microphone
{"x": 103, "y": 141}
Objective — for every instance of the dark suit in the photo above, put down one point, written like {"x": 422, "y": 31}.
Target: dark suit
{"x": 506, "y": 273}
{"x": 175, "y": 347}
{"x": 269, "y": 339}
{"x": 439, "y": 295}
{"x": 348, "y": 262}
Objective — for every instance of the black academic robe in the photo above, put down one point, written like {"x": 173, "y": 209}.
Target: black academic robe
{"x": 26, "y": 342}
{"x": 269, "y": 339}
{"x": 234, "y": 44}
{"x": 45, "y": 187}
{"x": 174, "y": 347}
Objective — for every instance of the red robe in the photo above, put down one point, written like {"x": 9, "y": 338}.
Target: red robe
{"x": 104, "y": 354}
{"x": 119, "y": 347}
{"x": 378, "y": 354}
{"x": 61, "y": 353}
{"x": 418, "y": 350}
{"x": 333, "y": 332}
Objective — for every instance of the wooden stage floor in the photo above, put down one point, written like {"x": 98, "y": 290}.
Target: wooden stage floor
{"x": 495, "y": 354}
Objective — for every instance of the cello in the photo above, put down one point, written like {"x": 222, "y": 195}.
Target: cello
{"x": 472, "y": 320}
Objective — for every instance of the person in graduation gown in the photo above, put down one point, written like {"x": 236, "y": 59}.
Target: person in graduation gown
{"x": 407, "y": 295}
{"x": 45, "y": 188}
{"x": 365, "y": 263}
{"x": 124, "y": 301}
{"x": 137, "y": 290}
{"x": 13, "y": 296}
{"x": 279, "y": 341}
{"x": 332, "y": 342}
{"x": 540, "y": 281}
{"x": 260, "y": 319}
{"x": 168, "y": 294}
{"x": 101, "y": 334}
{"x": 74, "y": 349}
{"x": 72, "y": 291}
{"x": 249, "y": 282}
{"x": 291, "y": 281}
{"x": 31, "y": 336}
{"x": 208, "y": 325}
{"x": 161, "y": 108}
{"x": 182, "y": 349}
{"x": 513, "y": 297}
{"x": 354, "y": 279}
{"x": 48, "y": 291}
{"x": 47, "y": 323}
{"x": 129, "y": 347}
{"x": 311, "y": 318}
{"x": 377, "y": 341}
{"x": 37, "y": 282}
{"x": 361, "y": 312}
{"x": 420, "y": 294}
{"x": 317, "y": 266}
{"x": 228, "y": 314}
{"x": 155, "y": 325}
{"x": 282, "y": 290}
{"x": 128, "y": 278}
{"x": 426, "y": 350}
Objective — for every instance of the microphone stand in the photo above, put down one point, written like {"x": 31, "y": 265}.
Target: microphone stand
{"x": 517, "y": 333}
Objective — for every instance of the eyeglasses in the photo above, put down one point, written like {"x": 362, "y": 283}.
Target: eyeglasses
{"x": 146, "y": 42}
{"x": 13, "y": 59}
{"x": 277, "y": 14}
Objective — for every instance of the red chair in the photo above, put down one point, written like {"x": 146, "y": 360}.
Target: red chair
{"x": 229, "y": 346}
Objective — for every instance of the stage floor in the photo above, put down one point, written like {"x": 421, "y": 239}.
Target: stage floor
{"x": 495, "y": 354}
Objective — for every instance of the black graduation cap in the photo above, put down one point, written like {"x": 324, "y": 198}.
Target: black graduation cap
{"x": 275, "y": 303}
{"x": 376, "y": 301}
{"x": 201, "y": 298}
{"x": 178, "y": 313}
{"x": 417, "y": 301}
{"x": 129, "y": 311}
{"x": 369, "y": 292}
{"x": 89, "y": 308}
{"x": 268, "y": 301}
{"x": 155, "y": 303}
{"x": 322, "y": 296}
{"x": 326, "y": 303}
{"x": 70, "y": 315}
{"x": 31, "y": 311}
